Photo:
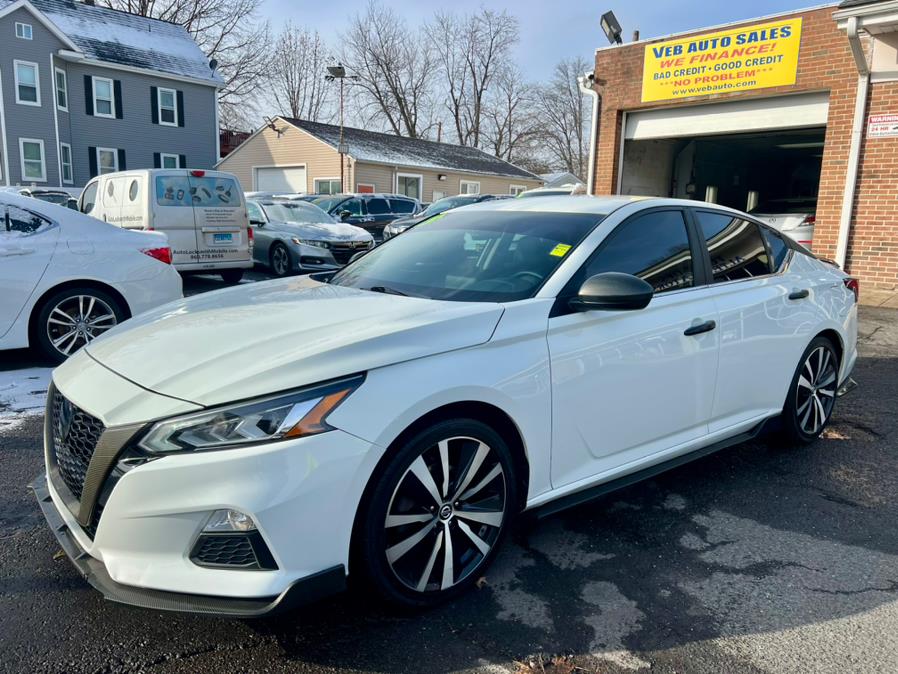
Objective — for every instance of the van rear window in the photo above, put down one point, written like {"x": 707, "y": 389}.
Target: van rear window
{"x": 206, "y": 192}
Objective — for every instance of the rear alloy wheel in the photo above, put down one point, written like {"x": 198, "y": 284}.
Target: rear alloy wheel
{"x": 232, "y": 276}
{"x": 72, "y": 318}
{"x": 279, "y": 257}
{"x": 439, "y": 513}
{"x": 813, "y": 392}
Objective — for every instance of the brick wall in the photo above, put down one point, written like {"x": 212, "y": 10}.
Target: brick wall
{"x": 825, "y": 64}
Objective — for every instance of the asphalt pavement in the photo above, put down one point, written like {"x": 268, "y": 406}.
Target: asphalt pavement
{"x": 761, "y": 558}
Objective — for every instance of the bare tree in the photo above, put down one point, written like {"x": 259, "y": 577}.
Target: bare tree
{"x": 510, "y": 125}
{"x": 472, "y": 50}
{"x": 395, "y": 68}
{"x": 228, "y": 31}
{"x": 564, "y": 118}
{"x": 297, "y": 73}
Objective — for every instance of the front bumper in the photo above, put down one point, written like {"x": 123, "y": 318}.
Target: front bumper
{"x": 302, "y": 591}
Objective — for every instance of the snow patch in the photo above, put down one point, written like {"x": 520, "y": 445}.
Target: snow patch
{"x": 23, "y": 393}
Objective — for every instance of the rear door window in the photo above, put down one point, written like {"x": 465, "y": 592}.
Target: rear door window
{"x": 173, "y": 190}
{"x": 735, "y": 245}
{"x": 402, "y": 206}
{"x": 378, "y": 207}
{"x": 214, "y": 192}
{"x": 779, "y": 249}
{"x": 17, "y": 222}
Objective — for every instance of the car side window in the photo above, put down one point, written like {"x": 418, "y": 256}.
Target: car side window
{"x": 402, "y": 206}
{"x": 735, "y": 245}
{"x": 89, "y": 197}
{"x": 378, "y": 207}
{"x": 779, "y": 249}
{"x": 653, "y": 246}
{"x": 255, "y": 213}
{"x": 18, "y": 222}
{"x": 354, "y": 206}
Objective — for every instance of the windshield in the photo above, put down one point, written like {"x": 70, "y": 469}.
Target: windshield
{"x": 447, "y": 203}
{"x": 327, "y": 203}
{"x": 296, "y": 212}
{"x": 481, "y": 256}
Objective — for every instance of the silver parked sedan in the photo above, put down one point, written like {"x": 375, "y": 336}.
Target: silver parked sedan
{"x": 296, "y": 236}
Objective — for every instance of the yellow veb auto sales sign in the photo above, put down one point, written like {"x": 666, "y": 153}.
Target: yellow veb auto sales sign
{"x": 741, "y": 59}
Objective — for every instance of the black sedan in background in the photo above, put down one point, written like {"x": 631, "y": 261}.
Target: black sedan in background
{"x": 372, "y": 212}
{"x": 399, "y": 225}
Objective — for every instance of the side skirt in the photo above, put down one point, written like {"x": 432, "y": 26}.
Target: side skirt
{"x": 594, "y": 492}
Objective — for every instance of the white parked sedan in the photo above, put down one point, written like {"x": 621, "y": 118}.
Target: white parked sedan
{"x": 243, "y": 451}
{"x": 68, "y": 278}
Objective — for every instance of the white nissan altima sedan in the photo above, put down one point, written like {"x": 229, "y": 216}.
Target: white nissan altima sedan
{"x": 244, "y": 451}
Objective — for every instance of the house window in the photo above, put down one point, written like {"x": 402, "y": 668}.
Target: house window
{"x": 409, "y": 184}
{"x": 469, "y": 187}
{"x": 104, "y": 101}
{"x": 31, "y": 153}
{"x": 23, "y": 30}
{"x": 328, "y": 186}
{"x": 437, "y": 195}
{"x": 107, "y": 160}
{"x": 168, "y": 107}
{"x": 65, "y": 158}
{"x": 62, "y": 91}
{"x": 28, "y": 83}
{"x": 516, "y": 189}
{"x": 168, "y": 161}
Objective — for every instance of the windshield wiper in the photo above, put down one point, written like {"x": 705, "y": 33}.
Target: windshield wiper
{"x": 386, "y": 291}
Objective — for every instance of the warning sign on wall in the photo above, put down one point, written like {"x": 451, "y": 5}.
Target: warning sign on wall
{"x": 882, "y": 126}
{"x": 739, "y": 59}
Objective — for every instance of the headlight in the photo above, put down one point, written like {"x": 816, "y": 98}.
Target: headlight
{"x": 293, "y": 415}
{"x": 397, "y": 229}
{"x": 309, "y": 242}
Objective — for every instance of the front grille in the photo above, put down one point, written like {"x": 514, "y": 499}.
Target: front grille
{"x": 342, "y": 252}
{"x": 74, "y": 434}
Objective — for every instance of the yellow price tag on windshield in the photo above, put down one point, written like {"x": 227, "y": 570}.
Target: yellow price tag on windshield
{"x": 560, "y": 250}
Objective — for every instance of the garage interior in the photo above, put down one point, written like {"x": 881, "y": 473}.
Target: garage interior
{"x": 737, "y": 155}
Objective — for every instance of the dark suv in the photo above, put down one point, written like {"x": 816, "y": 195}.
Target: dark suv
{"x": 372, "y": 212}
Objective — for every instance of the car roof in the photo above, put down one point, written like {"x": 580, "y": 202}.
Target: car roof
{"x": 600, "y": 205}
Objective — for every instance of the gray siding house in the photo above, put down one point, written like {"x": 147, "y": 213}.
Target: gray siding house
{"x": 86, "y": 90}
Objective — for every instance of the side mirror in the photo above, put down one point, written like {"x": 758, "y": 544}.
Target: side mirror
{"x": 345, "y": 215}
{"x": 613, "y": 291}
{"x": 257, "y": 223}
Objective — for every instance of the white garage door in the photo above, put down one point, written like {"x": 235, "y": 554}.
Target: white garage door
{"x": 755, "y": 114}
{"x": 281, "y": 179}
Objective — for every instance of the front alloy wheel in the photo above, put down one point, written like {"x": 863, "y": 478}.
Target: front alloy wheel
{"x": 74, "y": 318}
{"x": 280, "y": 260}
{"x": 813, "y": 392}
{"x": 441, "y": 509}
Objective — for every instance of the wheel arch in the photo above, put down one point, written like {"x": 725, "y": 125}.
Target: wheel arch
{"x": 487, "y": 413}
{"x": 65, "y": 285}
{"x": 836, "y": 339}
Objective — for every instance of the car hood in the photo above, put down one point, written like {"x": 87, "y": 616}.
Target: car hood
{"x": 260, "y": 338}
{"x": 409, "y": 220}
{"x": 337, "y": 231}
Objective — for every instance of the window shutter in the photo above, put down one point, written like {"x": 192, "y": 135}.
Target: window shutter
{"x": 122, "y": 166}
{"x": 182, "y": 161}
{"x": 117, "y": 89}
{"x": 89, "y": 96}
{"x": 92, "y": 161}
{"x": 154, "y": 105}
{"x": 180, "y": 108}
{"x": 157, "y": 160}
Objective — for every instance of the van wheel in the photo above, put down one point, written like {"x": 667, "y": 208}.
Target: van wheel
{"x": 232, "y": 276}
{"x": 279, "y": 257}
{"x": 74, "y": 317}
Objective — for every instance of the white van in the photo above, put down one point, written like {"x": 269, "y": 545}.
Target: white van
{"x": 203, "y": 213}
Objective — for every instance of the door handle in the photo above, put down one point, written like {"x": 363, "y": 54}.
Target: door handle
{"x": 798, "y": 294}
{"x": 693, "y": 330}
{"x": 11, "y": 252}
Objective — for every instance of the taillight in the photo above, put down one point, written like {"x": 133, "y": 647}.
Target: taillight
{"x": 161, "y": 254}
{"x": 197, "y": 173}
{"x": 810, "y": 220}
{"x": 854, "y": 286}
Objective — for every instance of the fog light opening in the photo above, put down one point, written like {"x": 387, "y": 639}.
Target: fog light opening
{"x": 229, "y": 520}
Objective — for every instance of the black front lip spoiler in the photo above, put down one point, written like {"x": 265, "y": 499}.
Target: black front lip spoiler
{"x": 303, "y": 591}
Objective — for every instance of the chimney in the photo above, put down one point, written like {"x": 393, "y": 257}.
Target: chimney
{"x": 636, "y": 35}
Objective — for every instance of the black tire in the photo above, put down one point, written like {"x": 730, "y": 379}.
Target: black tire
{"x": 812, "y": 393}
{"x": 232, "y": 276}
{"x": 397, "y": 493}
{"x": 90, "y": 312}
{"x": 279, "y": 261}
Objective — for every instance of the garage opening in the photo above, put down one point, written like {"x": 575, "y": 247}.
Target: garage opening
{"x": 756, "y": 153}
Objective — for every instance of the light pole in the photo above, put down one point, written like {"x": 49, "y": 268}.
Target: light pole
{"x": 338, "y": 72}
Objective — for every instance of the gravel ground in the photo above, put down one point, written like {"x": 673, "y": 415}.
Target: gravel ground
{"x": 761, "y": 558}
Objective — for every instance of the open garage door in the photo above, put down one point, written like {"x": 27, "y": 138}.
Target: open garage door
{"x": 286, "y": 179}
{"x": 736, "y": 154}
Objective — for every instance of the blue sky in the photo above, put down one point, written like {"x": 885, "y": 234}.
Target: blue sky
{"x": 550, "y": 30}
